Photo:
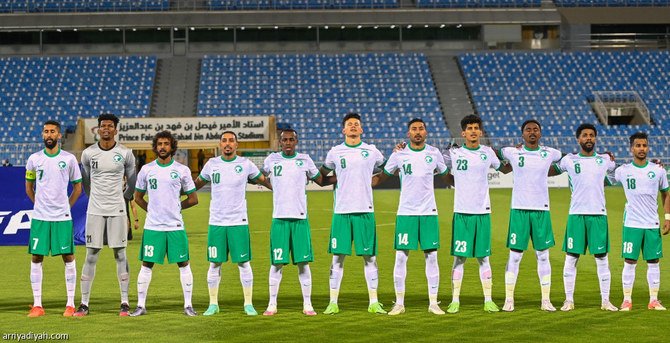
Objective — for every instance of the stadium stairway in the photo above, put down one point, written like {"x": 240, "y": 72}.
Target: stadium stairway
{"x": 176, "y": 87}
{"x": 451, "y": 91}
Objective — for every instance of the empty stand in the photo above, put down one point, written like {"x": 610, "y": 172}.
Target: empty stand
{"x": 83, "y": 5}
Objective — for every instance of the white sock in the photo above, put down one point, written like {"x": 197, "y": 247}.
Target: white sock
{"x": 186, "y": 278}
{"x": 399, "y": 275}
{"x": 275, "y": 280}
{"x": 336, "y": 272}
{"x": 143, "y": 281}
{"x": 432, "y": 276}
{"x": 654, "y": 280}
{"x": 569, "y": 276}
{"x": 371, "y": 276}
{"x": 544, "y": 272}
{"x": 511, "y": 273}
{"x": 36, "y": 283}
{"x": 457, "y": 278}
{"x": 247, "y": 280}
{"x": 604, "y": 277}
{"x": 70, "y": 281}
{"x": 628, "y": 279}
{"x": 305, "y": 278}
{"x": 88, "y": 274}
{"x": 213, "y": 280}
{"x": 122, "y": 273}
{"x": 486, "y": 277}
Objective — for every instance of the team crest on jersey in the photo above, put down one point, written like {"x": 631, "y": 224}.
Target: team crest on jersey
{"x": 651, "y": 175}
{"x": 117, "y": 158}
{"x": 174, "y": 175}
{"x": 238, "y": 169}
{"x": 62, "y": 165}
{"x": 429, "y": 159}
{"x": 599, "y": 160}
{"x": 544, "y": 154}
{"x": 365, "y": 153}
{"x": 483, "y": 156}
{"x": 299, "y": 163}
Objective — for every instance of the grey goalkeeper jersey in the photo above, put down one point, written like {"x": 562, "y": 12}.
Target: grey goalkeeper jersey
{"x": 103, "y": 172}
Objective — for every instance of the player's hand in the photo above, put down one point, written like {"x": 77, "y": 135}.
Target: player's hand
{"x": 136, "y": 225}
{"x": 519, "y": 146}
{"x": 610, "y": 154}
{"x": 375, "y": 180}
{"x": 666, "y": 227}
{"x": 658, "y": 162}
{"x": 399, "y": 146}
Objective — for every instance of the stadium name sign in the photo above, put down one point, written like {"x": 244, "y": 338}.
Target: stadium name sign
{"x": 248, "y": 129}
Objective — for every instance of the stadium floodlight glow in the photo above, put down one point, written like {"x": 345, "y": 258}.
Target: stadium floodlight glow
{"x": 75, "y": 29}
{"x": 359, "y": 27}
{"x": 426, "y": 26}
{"x": 117, "y": 29}
{"x": 277, "y": 28}
{"x": 225, "y": 28}
{"x": 176, "y": 29}
{"x": 259, "y": 27}
{"x": 326, "y": 27}
{"x": 242, "y": 28}
{"x": 58, "y": 30}
{"x": 192, "y": 28}
{"x": 134, "y": 29}
{"x": 393, "y": 26}
{"x": 409, "y": 26}
{"x": 158, "y": 28}
{"x": 342, "y": 27}
{"x": 376, "y": 27}
{"x": 309, "y": 27}
{"x": 442, "y": 26}
{"x": 100, "y": 29}
{"x": 459, "y": 26}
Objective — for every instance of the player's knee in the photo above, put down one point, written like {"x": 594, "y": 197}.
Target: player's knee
{"x": 654, "y": 261}
{"x": 600, "y": 256}
{"x": 631, "y": 261}
{"x": 542, "y": 256}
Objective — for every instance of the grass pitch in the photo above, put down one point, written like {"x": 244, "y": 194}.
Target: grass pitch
{"x": 165, "y": 321}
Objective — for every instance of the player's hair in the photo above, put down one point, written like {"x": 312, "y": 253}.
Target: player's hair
{"x": 231, "y": 132}
{"x": 471, "y": 119}
{"x": 530, "y": 121}
{"x": 416, "y": 120}
{"x": 351, "y": 115}
{"x": 288, "y": 130}
{"x": 169, "y": 136}
{"x": 108, "y": 116}
{"x": 638, "y": 135}
{"x": 585, "y": 126}
{"x": 54, "y": 123}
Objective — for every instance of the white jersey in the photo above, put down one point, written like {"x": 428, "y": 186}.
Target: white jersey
{"x": 163, "y": 184}
{"x": 416, "y": 169}
{"x": 288, "y": 175}
{"x": 354, "y": 166}
{"x": 470, "y": 168}
{"x": 530, "y": 190}
{"x": 228, "y": 179}
{"x": 103, "y": 172}
{"x": 586, "y": 175}
{"x": 641, "y": 186}
{"x": 51, "y": 175}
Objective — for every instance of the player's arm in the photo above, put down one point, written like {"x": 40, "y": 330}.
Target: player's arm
{"x": 666, "y": 209}
{"x": 200, "y": 182}
{"x": 190, "y": 201}
{"x": 139, "y": 199}
{"x": 133, "y": 210}
{"x": 86, "y": 173}
{"x": 30, "y": 189}
{"x": 327, "y": 179}
{"x": 76, "y": 192}
{"x": 265, "y": 182}
{"x": 131, "y": 176}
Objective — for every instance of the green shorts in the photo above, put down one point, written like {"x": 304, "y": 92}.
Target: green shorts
{"x": 649, "y": 240}
{"x": 45, "y": 236}
{"x": 155, "y": 244}
{"x": 224, "y": 240}
{"x": 410, "y": 231}
{"x": 530, "y": 224}
{"x": 583, "y": 230}
{"x": 290, "y": 235}
{"x": 357, "y": 227}
{"x": 471, "y": 235}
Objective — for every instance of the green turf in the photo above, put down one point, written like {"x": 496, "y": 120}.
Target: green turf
{"x": 165, "y": 321}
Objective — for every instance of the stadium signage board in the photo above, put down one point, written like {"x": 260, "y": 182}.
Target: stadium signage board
{"x": 16, "y": 210}
{"x": 198, "y": 129}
